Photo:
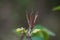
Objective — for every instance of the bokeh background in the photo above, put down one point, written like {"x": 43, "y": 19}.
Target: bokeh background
{"x": 12, "y": 15}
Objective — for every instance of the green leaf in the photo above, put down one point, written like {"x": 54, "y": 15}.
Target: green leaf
{"x": 35, "y": 34}
{"x": 38, "y": 27}
{"x": 44, "y": 29}
{"x": 49, "y": 32}
{"x": 41, "y": 34}
{"x": 57, "y": 8}
{"x": 45, "y": 35}
{"x": 37, "y": 38}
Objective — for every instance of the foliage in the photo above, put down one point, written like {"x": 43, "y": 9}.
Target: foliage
{"x": 57, "y": 8}
{"x": 37, "y": 33}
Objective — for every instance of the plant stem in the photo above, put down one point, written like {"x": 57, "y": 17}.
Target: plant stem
{"x": 29, "y": 34}
{"x": 29, "y": 37}
{"x": 22, "y": 36}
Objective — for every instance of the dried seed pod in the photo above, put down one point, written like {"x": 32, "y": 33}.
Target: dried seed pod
{"x": 31, "y": 18}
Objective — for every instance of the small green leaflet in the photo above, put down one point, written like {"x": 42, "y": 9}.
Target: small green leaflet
{"x": 38, "y": 27}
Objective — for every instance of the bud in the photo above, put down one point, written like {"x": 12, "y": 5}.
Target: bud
{"x": 21, "y": 30}
{"x": 18, "y": 30}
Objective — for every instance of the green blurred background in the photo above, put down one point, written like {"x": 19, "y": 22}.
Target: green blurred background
{"x": 13, "y": 14}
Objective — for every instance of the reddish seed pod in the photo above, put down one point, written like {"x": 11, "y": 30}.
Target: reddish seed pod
{"x": 31, "y": 18}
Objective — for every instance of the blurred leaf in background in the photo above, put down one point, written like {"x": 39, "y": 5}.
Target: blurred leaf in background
{"x": 57, "y": 8}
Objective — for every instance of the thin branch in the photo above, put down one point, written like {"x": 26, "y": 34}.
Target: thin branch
{"x": 22, "y": 36}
